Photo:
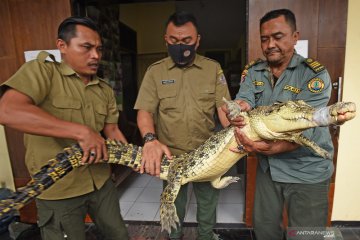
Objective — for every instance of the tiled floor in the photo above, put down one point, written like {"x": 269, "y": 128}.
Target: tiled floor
{"x": 139, "y": 197}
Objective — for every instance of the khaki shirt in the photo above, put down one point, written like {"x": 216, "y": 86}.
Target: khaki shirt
{"x": 303, "y": 79}
{"x": 58, "y": 90}
{"x": 183, "y": 101}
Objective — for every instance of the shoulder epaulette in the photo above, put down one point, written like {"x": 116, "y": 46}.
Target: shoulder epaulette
{"x": 252, "y": 63}
{"x": 157, "y": 62}
{"x": 43, "y": 55}
{"x": 314, "y": 65}
{"x": 104, "y": 81}
{"x": 210, "y": 59}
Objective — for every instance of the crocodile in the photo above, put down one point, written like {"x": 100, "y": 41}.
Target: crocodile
{"x": 209, "y": 162}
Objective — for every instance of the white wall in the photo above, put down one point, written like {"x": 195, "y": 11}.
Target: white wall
{"x": 5, "y": 167}
{"x": 347, "y": 193}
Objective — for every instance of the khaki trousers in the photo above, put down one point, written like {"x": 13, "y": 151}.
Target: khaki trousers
{"x": 60, "y": 218}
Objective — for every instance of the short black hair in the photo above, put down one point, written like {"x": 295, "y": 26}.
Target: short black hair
{"x": 289, "y": 17}
{"x": 179, "y": 18}
{"x": 67, "y": 29}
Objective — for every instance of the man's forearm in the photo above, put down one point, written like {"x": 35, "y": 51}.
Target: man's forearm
{"x": 29, "y": 118}
{"x": 145, "y": 122}
{"x": 112, "y": 131}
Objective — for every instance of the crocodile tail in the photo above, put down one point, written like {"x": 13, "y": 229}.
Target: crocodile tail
{"x": 124, "y": 154}
{"x": 64, "y": 162}
{"x": 50, "y": 173}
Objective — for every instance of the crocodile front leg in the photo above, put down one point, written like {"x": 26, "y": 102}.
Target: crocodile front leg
{"x": 224, "y": 181}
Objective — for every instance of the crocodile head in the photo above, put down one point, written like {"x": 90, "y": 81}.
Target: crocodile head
{"x": 298, "y": 115}
{"x": 286, "y": 121}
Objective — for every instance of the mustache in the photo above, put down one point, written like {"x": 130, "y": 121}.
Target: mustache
{"x": 272, "y": 50}
{"x": 96, "y": 63}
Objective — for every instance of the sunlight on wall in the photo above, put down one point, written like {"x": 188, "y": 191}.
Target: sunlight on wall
{"x": 347, "y": 195}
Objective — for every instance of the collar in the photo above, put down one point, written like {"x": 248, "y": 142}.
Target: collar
{"x": 66, "y": 70}
{"x": 196, "y": 63}
{"x": 296, "y": 59}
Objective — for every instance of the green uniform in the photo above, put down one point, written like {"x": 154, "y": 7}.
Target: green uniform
{"x": 303, "y": 79}
{"x": 58, "y": 90}
{"x": 183, "y": 102}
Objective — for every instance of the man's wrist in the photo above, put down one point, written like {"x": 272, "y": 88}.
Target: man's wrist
{"x": 149, "y": 137}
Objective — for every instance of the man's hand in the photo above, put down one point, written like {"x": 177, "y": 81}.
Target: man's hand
{"x": 238, "y": 121}
{"x": 265, "y": 147}
{"x": 151, "y": 157}
{"x": 93, "y": 146}
{"x": 248, "y": 145}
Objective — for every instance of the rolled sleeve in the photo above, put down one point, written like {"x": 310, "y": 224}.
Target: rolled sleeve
{"x": 147, "y": 99}
{"x": 32, "y": 79}
{"x": 113, "y": 112}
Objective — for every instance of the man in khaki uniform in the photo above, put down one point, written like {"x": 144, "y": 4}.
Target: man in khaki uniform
{"x": 57, "y": 105}
{"x": 177, "y": 102}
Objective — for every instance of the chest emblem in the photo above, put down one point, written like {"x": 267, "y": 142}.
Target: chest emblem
{"x": 316, "y": 85}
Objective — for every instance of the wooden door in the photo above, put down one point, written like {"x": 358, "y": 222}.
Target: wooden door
{"x": 323, "y": 23}
{"x": 26, "y": 25}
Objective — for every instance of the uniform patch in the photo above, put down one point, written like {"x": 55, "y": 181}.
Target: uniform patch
{"x": 316, "y": 85}
{"x": 258, "y": 83}
{"x": 222, "y": 79}
{"x": 249, "y": 65}
{"x": 170, "y": 81}
{"x": 243, "y": 75}
{"x": 292, "y": 89}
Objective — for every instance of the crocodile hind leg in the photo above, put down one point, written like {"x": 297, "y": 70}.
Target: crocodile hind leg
{"x": 168, "y": 215}
{"x": 224, "y": 181}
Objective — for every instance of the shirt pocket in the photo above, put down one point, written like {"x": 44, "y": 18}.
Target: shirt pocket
{"x": 67, "y": 108}
{"x": 258, "y": 95}
{"x": 167, "y": 98}
{"x": 100, "y": 116}
{"x": 207, "y": 101}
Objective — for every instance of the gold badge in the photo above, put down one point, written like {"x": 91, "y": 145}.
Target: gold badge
{"x": 292, "y": 89}
{"x": 258, "y": 83}
{"x": 316, "y": 85}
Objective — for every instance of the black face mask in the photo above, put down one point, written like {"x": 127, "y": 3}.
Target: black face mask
{"x": 182, "y": 54}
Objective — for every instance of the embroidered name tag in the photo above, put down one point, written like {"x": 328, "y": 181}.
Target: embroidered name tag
{"x": 170, "y": 81}
{"x": 292, "y": 89}
{"x": 258, "y": 83}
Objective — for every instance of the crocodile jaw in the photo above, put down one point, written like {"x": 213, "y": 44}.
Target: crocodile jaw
{"x": 293, "y": 121}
